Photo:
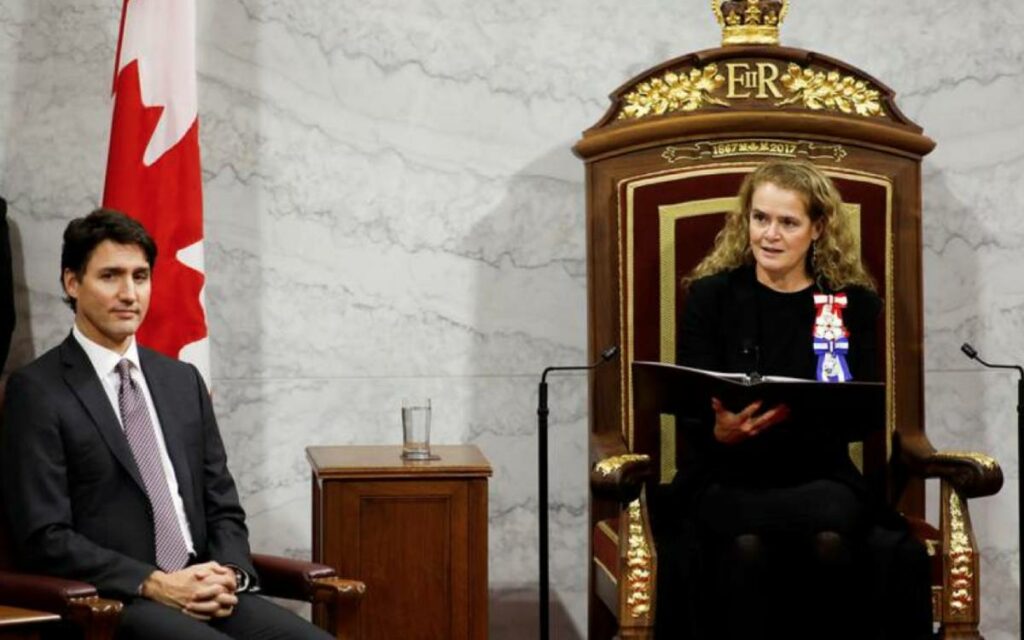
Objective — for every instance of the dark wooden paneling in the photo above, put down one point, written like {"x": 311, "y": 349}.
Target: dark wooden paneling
{"x": 411, "y": 537}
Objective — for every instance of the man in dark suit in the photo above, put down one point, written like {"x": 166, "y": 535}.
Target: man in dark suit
{"x": 114, "y": 471}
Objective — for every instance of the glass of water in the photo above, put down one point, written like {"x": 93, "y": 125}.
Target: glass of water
{"x": 416, "y": 429}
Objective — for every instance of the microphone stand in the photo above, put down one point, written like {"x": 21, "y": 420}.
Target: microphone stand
{"x": 542, "y": 480}
{"x": 970, "y": 352}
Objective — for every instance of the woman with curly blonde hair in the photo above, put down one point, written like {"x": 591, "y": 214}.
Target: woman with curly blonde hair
{"x": 776, "y": 512}
{"x": 832, "y": 260}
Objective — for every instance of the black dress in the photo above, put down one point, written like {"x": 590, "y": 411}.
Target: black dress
{"x": 778, "y": 532}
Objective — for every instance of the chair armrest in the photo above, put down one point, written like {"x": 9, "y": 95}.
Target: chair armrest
{"x": 974, "y": 475}
{"x": 615, "y": 471}
{"x": 301, "y": 580}
{"x": 334, "y": 589}
{"x": 42, "y": 592}
{"x": 76, "y": 601}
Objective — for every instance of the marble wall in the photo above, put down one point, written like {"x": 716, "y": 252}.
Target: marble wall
{"x": 392, "y": 208}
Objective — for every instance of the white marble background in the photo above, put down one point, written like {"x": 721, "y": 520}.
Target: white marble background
{"x": 392, "y": 208}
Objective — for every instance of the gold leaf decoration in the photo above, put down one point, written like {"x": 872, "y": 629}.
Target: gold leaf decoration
{"x": 614, "y": 464}
{"x": 674, "y": 92}
{"x": 831, "y": 91}
{"x": 638, "y": 565}
{"x": 961, "y": 556}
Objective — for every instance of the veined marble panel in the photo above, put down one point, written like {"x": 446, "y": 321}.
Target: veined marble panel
{"x": 306, "y": 298}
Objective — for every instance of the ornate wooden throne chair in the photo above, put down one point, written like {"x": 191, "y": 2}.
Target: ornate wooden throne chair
{"x": 663, "y": 166}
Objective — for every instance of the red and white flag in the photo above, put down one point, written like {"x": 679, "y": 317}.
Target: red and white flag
{"x": 153, "y": 172}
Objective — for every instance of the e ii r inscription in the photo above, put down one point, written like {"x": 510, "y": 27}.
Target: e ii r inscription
{"x": 755, "y": 79}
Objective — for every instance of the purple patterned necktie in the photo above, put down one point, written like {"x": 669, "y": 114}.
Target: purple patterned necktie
{"x": 171, "y": 551}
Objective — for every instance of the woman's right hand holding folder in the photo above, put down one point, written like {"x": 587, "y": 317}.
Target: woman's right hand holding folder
{"x": 733, "y": 428}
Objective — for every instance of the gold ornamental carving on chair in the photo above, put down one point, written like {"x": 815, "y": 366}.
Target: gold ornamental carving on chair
{"x": 751, "y": 22}
{"x": 961, "y": 553}
{"x": 638, "y": 561}
{"x": 614, "y": 464}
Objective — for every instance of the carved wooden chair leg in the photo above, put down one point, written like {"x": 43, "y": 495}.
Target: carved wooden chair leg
{"x": 638, "y": 561}
{"x": 960, "y": 632}
{"x": 961, "y": 606}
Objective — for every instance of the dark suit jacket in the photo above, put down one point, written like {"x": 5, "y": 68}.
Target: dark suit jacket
{"x": 75, "y": 501}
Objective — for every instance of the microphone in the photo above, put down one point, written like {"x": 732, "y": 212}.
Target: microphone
{"x": 606, "y": 356}
{"x": 972, "y": 353}
{"x": 542, "y": 478}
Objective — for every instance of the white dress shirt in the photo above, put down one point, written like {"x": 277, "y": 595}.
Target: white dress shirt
{"x": 104, "y": 361}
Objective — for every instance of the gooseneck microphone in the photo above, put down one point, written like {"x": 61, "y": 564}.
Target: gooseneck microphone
{"x": 972, "y": 353}
{"x": 542, "y": 478}
{"x": 606, "y": 355}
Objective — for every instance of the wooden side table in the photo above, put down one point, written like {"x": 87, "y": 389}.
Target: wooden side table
{"x": 414, "y": 532}
{"x": 23, "y": 624}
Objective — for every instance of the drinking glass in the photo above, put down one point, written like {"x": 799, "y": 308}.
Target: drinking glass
{"x": 416, "y": 429}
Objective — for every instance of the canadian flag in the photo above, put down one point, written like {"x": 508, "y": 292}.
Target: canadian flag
{"x": 153, "y": 172}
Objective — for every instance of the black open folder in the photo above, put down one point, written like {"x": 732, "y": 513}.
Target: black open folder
{"x": 851, "y": 409}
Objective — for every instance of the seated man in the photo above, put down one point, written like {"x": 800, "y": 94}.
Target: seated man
{"x": 114, "y": 471}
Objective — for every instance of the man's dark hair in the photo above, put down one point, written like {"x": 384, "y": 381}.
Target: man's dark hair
{"x": 83, "y": 235}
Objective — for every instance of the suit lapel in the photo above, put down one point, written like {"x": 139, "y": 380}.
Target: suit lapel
{"x": 165, "y": 398}
{"x": 81, "y": 378}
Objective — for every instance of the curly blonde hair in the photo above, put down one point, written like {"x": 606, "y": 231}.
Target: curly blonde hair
{"x": 833, "y": 260}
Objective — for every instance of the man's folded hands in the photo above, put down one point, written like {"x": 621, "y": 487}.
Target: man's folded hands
{"x": 203, "y": 591}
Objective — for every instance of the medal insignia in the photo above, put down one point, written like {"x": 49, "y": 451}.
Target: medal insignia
{"x": 831, "y": 339}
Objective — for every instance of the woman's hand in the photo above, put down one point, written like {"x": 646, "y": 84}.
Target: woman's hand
{"x": 731, "y": 428}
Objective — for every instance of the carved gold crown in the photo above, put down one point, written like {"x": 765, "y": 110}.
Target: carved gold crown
{"x": 750, "y": 21}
